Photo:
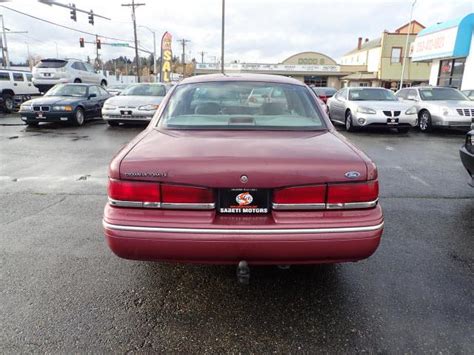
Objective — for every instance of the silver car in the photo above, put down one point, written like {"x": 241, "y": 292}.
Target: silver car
{"x": 371, "y": 107}
{"x": 137, "y": 103}
{"x": 439, "y": 107}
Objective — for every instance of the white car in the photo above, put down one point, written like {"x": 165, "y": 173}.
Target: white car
{"x": 49, "y": 72}
{"x": 15, "y": 87}
{"x": 137, "y": 103}
{"x": 360, "y": 107}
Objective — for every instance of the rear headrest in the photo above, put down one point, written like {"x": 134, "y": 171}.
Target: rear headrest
{"x": 207, "y": 108}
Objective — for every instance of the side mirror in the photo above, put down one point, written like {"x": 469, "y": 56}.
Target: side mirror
{"x": 92, "y": 95}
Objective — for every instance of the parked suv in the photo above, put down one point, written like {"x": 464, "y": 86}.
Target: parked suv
{"x": 15, "y": 87}
{"x": 439, "y": 107}
{"x": 49, "y": 72}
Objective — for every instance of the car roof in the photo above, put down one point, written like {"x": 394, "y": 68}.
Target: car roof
{"x": 80, "y": 84}
{"x": 241, "y": 77}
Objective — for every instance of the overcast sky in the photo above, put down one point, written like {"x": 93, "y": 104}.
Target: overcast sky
{"x": 258, "y": 31}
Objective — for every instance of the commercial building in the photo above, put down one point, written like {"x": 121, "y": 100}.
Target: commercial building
{"x": 382, "y": 59}
{"x": 448, "y": 48}
{"x": 313, "y": 68}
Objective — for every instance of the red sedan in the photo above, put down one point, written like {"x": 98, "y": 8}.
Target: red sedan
{"x": 215, "y": 180}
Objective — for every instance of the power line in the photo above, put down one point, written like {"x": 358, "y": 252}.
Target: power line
{"x": 66, "y": 27}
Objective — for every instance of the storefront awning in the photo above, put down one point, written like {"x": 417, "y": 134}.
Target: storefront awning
{"x": 450, "y": 39}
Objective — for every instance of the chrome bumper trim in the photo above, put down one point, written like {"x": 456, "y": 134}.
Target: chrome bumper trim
{"x": 242, "y": 231}
{"x": 323, "y": 206}
{"x": 164, "y": 205}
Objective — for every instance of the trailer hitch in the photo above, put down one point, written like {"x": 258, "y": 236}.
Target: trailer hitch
{"x": 243, "y": 272}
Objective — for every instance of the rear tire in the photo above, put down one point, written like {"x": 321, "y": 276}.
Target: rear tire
{"x": 424, "y": 122}
{"x": 112, "y": 123}
{"x": 78, "y": 119}
{"x": 8, "y": 103}
{"x": 103, "y": 83}
{"x": 77, "y": 81}
{"x": 348, "y": 122}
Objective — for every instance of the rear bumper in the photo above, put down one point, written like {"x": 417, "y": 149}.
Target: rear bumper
{"x": 282, "y": 243}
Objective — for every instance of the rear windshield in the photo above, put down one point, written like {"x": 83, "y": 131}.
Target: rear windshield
{"x": 324, "y": 91}
{"x": 371, "y": 95}
{"x": 242, "y": 105}
{"x": 145, "y": 90}
{"x": 51, "y": 64}
{"x": 433, "y": 94}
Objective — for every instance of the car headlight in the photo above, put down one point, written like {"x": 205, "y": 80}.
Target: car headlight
{"x": 411, "y": 111}
{"x": 368, "y": 110}
{"x": 67, "y": 108}
{"x": 445, "y": 111}
{"x": 148, "y": 107}
{"x": 109, "y": 107}
{"x": 26, "y": 108}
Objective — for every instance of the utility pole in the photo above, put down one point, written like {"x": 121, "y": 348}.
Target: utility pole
{"x": 410, "y": 26}
{"x": 6, "y": 59}
{"x": 133, "y": 5}
{"x": 183, "y": 57}
{"x": 96, "y": 52}
{"x": 222, "y": 39}
{"x": 202, "y": 56}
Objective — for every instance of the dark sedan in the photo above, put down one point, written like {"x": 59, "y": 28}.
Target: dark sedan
{"x": 467, "y": 155}
{"x": 71, "y": 103}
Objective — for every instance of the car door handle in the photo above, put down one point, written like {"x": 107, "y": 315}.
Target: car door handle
{"x": 15, "y": 84}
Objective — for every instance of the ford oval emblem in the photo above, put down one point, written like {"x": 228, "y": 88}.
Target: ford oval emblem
{"x": 352, "y": 174}
{"x": 244, "y": 179}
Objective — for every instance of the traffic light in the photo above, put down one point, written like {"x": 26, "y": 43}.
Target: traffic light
{"x": 91, "y": 17}
{"x": 98, "y": 43}
{"x": 81, "y": 42}
{"x": 73, "y": 12}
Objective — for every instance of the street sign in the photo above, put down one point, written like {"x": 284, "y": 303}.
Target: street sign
{"x": 117, "y": 44}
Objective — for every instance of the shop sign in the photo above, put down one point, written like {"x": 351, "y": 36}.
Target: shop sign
{"x": 269, "y": 67}
{"x": 435, "y": 45}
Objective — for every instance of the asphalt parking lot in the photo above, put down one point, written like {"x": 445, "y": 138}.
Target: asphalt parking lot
{"x": 62, "y": 290}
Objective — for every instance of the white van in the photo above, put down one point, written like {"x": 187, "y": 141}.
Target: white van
{"x": 16, "y": 86}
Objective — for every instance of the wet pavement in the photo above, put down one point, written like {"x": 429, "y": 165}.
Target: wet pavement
{"x": 62, "y": 290}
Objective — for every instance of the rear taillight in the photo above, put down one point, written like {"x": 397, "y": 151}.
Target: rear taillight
{"x": 331, "y": 196}
{"x": 354, "y": 195}
{"x": 125, "y": 193}
{"x": 186, "y": 194}
{"x": 121, "y": 190}
{"x": 296, "y": 197}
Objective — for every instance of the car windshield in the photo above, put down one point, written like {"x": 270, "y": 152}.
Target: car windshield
{"x": 230, "y": 106}
{"x": 371, "y": 95}
{"x": 324, "y": 91}
{"x": 67, "y": 90}
{"x": 433, "y": 94}
{"x": 145, "y": 90}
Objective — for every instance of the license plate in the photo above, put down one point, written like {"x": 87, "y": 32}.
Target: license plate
{"x": 39, "y": 115}
{"x": 392, "y": 121}
{"x": 244, "y": 201}
{"x": 126, "y": 113}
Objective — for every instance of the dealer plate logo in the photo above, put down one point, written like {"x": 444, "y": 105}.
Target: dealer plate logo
{"x": 244, "y": 199}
